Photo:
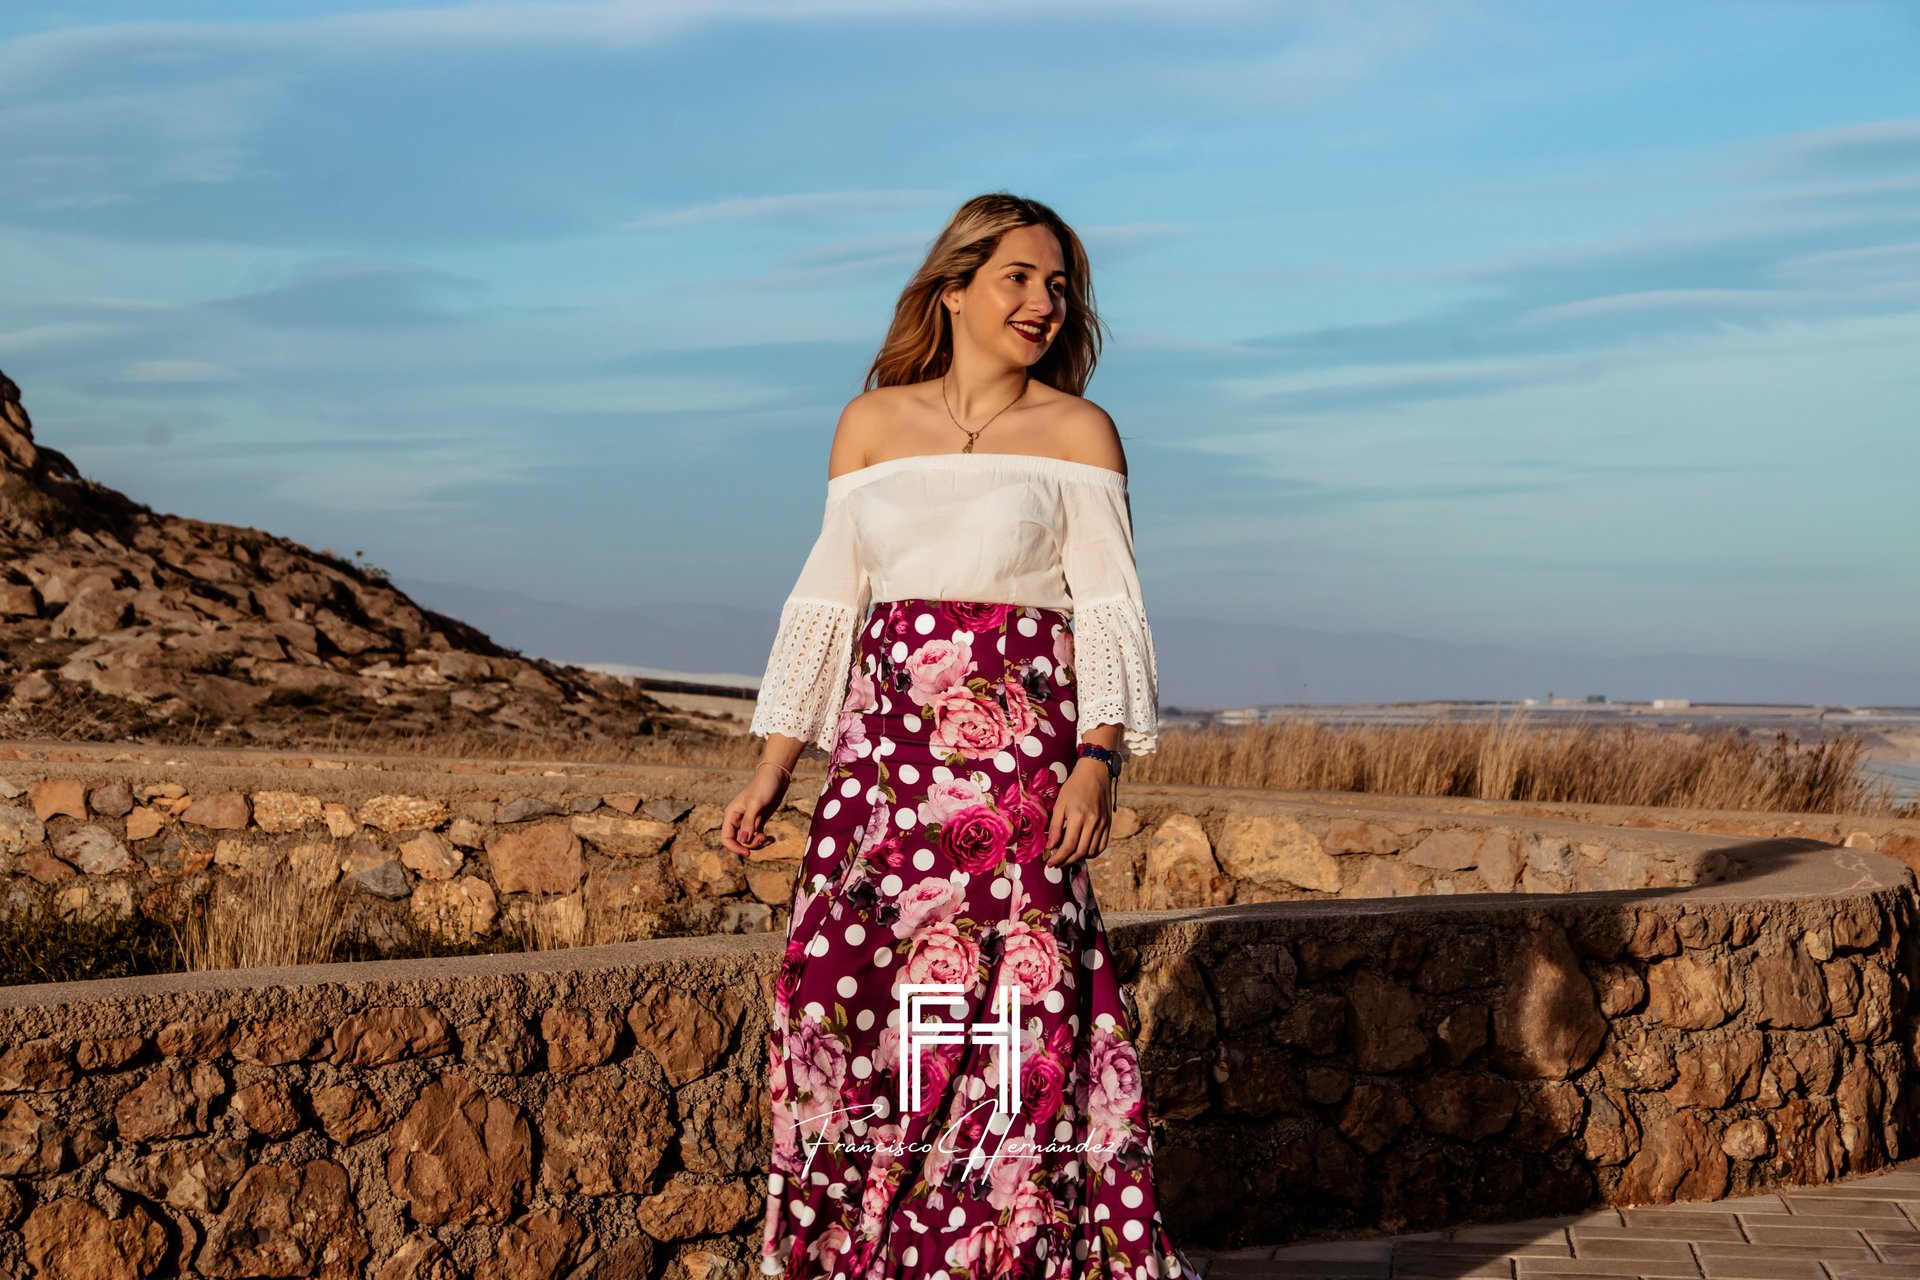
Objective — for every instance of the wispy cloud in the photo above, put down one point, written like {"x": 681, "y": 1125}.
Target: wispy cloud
{"x": 1439, "y": 275}
{"x": 1326, "y": 50}
{"x": 893, "y": 253}
{"x": 1655, "y": 300}
{"x": 852, "y": 258}
{"x": 44, "y": 55}
{"x": 1746, "y": 258}
{"x": 356, "y": 295}
{"x": 1875, "y": 264}
{"x": 176, "y": 372}
{"x": 831, "y": 204}
{"x": 1868, "y": 143}
{"x": 39, "y": 336}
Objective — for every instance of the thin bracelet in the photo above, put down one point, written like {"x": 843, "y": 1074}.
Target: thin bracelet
{"x": 782, "y": 768}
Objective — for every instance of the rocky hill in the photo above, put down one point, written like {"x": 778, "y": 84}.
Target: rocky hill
{"x": 118, "y": 622}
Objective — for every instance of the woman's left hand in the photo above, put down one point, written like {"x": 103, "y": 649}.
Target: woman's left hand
{"x": 1082, "y": 815}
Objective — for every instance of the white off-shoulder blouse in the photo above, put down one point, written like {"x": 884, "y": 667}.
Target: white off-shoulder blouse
{"x": 997, "y": 527}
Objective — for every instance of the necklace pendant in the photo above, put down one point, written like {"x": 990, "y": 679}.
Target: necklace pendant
{"x": 967, "y": 447}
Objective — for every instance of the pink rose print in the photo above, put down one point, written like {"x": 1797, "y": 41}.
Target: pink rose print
{"x": 1032, "y": 1209}
{"x": 790, "y": 975}
{"x": 984, "y": 1252}
{"x": 1079, "y": 887}
{"x": 1009, "y": 1169}
{"x": 816, "y": 1062}
{"x": 939, "y": 1160}
{"x": 879, "y": 823}
{"x": 821, "y": 1118}
{"x": 1019, "y": 707}
{"x": 830, "y": 1245}
{"x": 912, "y": 873}
{"x": 936, "y": 666}
{"x": 941, "y": 953}
{"x": 1060, "y": 1044}
{"x": 977, "y": 617}
{"x": 926, "y": 901}
{"x": 944, "y": 799}
{"x": 1114, "y": 1098}
{"x": 1043, "y": 1080}
{"x": 786, "y": 1139}
{"x": 976, "y": 839}
{"x": 1027, "y": 813}
{"x": 882, "y": 841}
{"x": 786, "y": 1145}
{"x": 888, "y": 1151}
{"x": 849, "y": 737}
{"x": 877, "y": 1194}
{"x": 1043, "y": 1075}
{"x": 966, "y": 723}
{"x": 936, "y": 1070}
{"x": 886, "y": 1052}
{"x": 898, "y": 624}
{"x": 889, "y": 854}
{"x": 970, "y": 1136}
{"x": 1019, "y": 902}
{"x": 861, "y": 695}
{"x": 1114, "y": 1073}
{"x": 1031, "y": 957}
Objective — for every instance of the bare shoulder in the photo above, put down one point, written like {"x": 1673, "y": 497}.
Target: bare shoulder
{"x": 859, "y": 426}
{"x": 1087, "y": 434}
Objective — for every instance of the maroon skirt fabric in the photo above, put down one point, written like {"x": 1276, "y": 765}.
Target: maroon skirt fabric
{"x": 926, "y": 864}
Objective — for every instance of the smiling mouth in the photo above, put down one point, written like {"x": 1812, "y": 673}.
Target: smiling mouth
{"x": 1034, "y": 333}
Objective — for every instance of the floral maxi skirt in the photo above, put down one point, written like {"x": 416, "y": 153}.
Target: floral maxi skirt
{"x": 926, "y": 864}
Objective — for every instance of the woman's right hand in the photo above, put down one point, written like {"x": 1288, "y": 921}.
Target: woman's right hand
{"x": 744, "y": 828}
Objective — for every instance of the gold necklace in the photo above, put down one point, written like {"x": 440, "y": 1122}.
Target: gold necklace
{"x": 975, "y": 434}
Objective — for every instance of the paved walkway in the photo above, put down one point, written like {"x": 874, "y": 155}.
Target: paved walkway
{"x": 1862, "y": 1228}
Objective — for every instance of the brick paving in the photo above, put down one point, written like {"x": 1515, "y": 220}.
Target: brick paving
{"x": 1860, "y": 1228}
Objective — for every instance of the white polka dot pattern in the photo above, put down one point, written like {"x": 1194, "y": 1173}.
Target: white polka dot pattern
{"x": 929, "y": 865}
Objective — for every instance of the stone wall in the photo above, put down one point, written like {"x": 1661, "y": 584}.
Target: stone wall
{"x": 1314, "y": 1069}
{"x": 1426, "y": 1062}
{"x": 585, "y": 852}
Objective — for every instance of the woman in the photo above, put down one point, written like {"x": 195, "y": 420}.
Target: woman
{"x": 967, "y": 645}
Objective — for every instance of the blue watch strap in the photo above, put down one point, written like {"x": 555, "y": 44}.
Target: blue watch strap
{"x": 1105, "y": 755}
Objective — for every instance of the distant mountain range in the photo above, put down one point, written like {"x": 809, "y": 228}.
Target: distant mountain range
{"x": 1203, "y": 663}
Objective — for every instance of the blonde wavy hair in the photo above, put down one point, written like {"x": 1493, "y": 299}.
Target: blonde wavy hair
{"x": 919, "y": 343}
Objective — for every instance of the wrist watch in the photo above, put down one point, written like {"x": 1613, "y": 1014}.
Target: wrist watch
{"x": 1107, "y": 757}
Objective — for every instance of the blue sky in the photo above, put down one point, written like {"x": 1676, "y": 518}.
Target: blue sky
{"x": 1588, "y": 326}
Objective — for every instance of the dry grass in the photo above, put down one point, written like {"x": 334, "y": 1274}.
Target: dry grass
{"x": 1512, "y": 759}
{"x": 71, "y": 714}
{"x": 685, "y": 751}
{"x": 276, "y": 918}
{"x": 1497, "y": 758}
{"x": 587, "y": 921}
{"x": 262, "y": 919}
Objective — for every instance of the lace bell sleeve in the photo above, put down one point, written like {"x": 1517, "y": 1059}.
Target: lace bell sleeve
{"x": 812, "y": 657}
{"x": 1116, "y": 673}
